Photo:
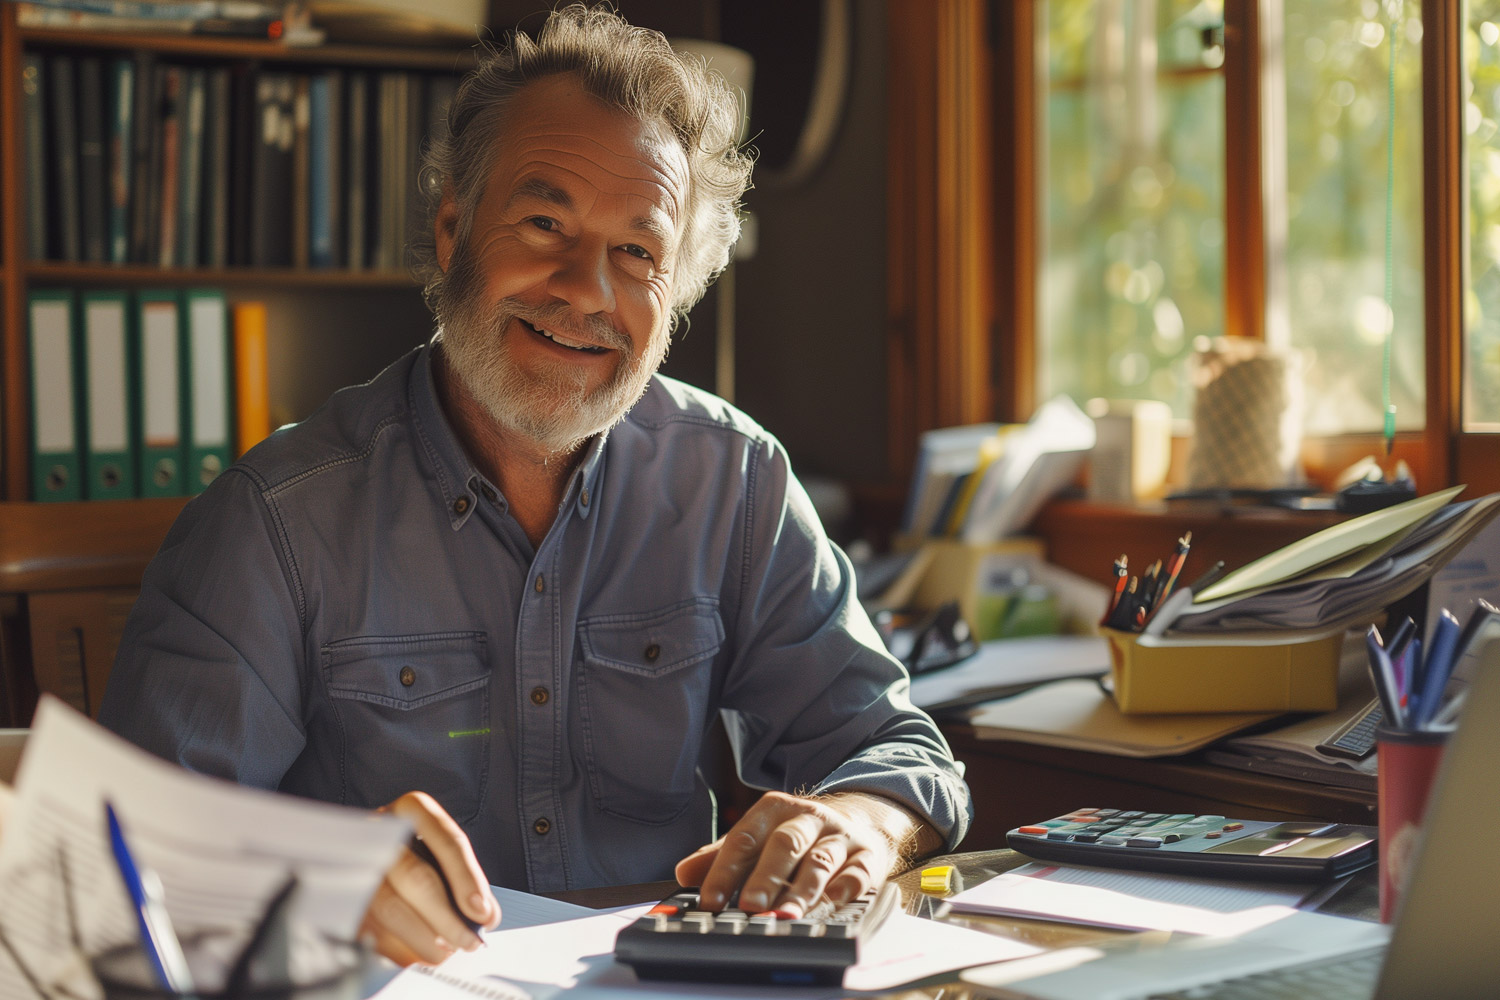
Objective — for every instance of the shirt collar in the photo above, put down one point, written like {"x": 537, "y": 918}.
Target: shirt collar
{"x": 460, "y": 484}
{"x": 458, "y": 481}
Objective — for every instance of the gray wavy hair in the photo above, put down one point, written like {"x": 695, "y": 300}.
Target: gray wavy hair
{"x": 630, "y": 68}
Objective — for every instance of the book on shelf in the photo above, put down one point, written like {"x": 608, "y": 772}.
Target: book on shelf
{"x": 301, "y": 172}
{"x": 357, "y": 162}
{"x": 122, "y": 97}
{"x": 34, "y": 107}
{"x": 190, "y": 169}
{"x": 64, "y": 120}
{"x": 214, "y": 231}
{"x": 145, "y": 163}
{"x": 271, "y": 171}
{"x": 170, "y": 147}
{"x": 92, "y": 161}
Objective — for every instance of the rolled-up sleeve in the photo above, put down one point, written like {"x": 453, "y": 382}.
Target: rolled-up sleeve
{"x": 812, "y": 701}
{"x": 208, "y": 673}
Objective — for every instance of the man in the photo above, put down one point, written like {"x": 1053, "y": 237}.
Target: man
{"x": 506, "y": 586}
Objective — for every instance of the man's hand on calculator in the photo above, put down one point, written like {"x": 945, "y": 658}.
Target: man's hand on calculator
{"x": 789, "y": 851}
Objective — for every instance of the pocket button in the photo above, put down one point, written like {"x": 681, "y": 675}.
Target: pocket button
{"x": 408, "y": 676}
{"x": 542, "y": 826}
{"x": 652, "y": 652}
{"x": 540, "y": 695}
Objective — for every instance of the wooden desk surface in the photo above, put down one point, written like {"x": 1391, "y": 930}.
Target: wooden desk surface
{"x": 1359, "y": 898}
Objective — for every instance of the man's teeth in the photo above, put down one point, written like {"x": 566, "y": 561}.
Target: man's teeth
{"x": 564, "y": 341}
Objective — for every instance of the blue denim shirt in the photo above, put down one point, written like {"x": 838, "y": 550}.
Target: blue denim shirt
{"x": 350, "y": 613}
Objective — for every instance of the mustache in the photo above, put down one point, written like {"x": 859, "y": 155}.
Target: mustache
{"x": 562, "y": 319}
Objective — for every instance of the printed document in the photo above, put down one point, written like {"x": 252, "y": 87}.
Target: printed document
{"x": 221, "y": 851}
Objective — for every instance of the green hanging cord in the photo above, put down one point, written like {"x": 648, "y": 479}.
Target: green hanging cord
{"x": 1390, "y": 208}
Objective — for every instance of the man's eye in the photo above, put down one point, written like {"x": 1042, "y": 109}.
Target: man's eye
{"x": 543, "y": 223}
{"x": 637, "y": 251}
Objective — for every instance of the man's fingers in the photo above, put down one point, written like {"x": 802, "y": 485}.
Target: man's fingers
{"x": 736, "y": 856}
{"x": 784, "y": 850}
{"x": 819, "y": 865}
{"x": 693, "y": 869}
{"x": 421, "y": 887}
{"x": 446, "y": 840}
{"x": 400, "y": 932}
{"x": 858, "y": 875}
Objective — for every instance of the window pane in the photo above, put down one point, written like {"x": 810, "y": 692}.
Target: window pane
{"x": 1337, "y": 55}
{"x": 1482, "y": 303}
{"x": 1133, "y": 209}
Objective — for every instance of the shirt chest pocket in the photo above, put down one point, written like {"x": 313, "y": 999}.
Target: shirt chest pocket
{"x": 644, "y": 687}
{"x": 414, "y": 714}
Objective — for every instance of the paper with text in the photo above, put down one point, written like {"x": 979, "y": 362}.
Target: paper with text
{"x": 221, "y": 851}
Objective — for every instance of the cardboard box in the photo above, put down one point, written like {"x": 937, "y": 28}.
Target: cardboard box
{"x": 1289, "y": 672}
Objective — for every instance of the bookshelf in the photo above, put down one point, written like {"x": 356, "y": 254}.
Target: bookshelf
{"x": 98, "y": 547}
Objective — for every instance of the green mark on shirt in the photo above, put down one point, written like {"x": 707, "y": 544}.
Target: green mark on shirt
{"x": 454, "y": 734}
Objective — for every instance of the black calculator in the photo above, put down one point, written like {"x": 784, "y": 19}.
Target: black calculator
{"x": 1203, "y": 845}
{"x": 677, "y": 939}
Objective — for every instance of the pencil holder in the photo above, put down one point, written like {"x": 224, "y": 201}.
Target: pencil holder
{"x": 1409, "y": 762}
{"x": 1269, "y": 672}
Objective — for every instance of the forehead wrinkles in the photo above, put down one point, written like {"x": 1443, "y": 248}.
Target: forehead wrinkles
{"x": 650, "y": 163}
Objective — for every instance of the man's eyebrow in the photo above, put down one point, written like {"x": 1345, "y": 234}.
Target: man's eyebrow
{"x": 653, "y": 228}
{"x": 535, "y": 187}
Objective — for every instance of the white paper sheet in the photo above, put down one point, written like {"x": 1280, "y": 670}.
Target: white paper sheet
{"x": 221, "y": 850}
{"x": 1046, "y": 899}
{"x": 540, "y": 962}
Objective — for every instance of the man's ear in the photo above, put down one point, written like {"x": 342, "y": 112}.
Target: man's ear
{"x": 446, "y": 229}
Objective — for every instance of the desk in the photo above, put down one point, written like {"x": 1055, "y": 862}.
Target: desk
{"x": 1360, "y": 898}
{"x": 1018, "y": 783}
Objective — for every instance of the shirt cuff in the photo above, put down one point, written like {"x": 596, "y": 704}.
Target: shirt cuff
{"x": 929, "y": 783}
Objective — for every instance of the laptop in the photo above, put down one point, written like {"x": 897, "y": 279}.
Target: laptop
{"x": 1443, "y": 942}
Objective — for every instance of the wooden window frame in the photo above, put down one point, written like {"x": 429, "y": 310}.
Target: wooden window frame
{"x": 961, "y": 354}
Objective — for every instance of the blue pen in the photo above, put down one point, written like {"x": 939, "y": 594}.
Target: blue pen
{"x": 158, "y": 939}
{"x": 1384, "y": 676}
{"x": 1438, "y": 668}
{"x": 1411, "y": 666}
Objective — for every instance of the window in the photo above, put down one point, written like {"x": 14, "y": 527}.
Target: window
{"x": 1136, "y": 139}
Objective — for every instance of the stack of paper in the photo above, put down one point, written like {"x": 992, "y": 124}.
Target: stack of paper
{"x": 220, "y": 850}
{"x": 1342, "y": 576}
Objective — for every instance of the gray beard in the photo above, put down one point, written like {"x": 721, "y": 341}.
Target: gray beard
{"x": 553, "y": 409}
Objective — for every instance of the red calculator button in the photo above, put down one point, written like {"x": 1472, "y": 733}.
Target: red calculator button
{"x": 1039, "y": 831}
{"x": 665, "y": 909}
{"x": 1230, "y": 827}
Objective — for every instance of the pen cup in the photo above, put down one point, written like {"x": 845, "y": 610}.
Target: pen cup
{"x": 1408, "y": 765}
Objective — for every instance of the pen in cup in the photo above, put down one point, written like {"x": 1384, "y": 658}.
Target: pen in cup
{"x": 158, "y": 939}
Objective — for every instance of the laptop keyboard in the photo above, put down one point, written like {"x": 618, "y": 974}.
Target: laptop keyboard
{"x": 1350, "y": 977}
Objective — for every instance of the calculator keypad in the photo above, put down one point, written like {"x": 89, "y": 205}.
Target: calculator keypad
{"x": 679, "y": 915}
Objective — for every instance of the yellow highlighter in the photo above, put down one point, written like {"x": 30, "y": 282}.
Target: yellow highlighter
{"x": 937, "y": 879}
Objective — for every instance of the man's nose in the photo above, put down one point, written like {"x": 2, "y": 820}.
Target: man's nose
{"x": 582, "y": 279}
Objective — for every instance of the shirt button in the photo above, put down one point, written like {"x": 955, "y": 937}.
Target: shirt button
{"x": 460, "y": 505}
{"x": 539, "y": 695}
{"x": 408, "y": 677}
{"x": 652, "y": 652}
{"x": 584, "y": 499}
{"x": 541, "y": 584}
{"x": 542, "y": 825}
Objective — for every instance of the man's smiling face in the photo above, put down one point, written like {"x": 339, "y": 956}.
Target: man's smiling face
{"x": 556, "y": 308}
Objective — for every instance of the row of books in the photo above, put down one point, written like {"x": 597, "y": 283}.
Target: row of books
{"x": 143, "y": 394}
{"x": 130, "y": 160}
{"x": 984, "y": 482}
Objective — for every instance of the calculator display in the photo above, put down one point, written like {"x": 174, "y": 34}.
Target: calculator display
{"x": 1291, "y": 840}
